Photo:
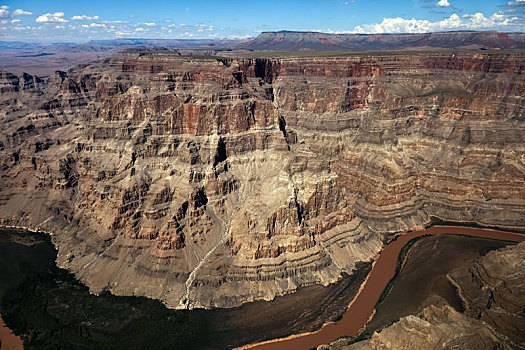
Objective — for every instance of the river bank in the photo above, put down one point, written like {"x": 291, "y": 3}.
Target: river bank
{"x": 54, "y": 295}
{"x": 8, "y": 340}
{"x": 52, "y": 309}
{"x": 362, "y": 308}
{"x": 423, "y": 273}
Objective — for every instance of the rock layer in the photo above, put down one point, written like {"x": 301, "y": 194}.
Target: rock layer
{"x": 289, "y": 40}
{"x": 435, "y": 327}
{"x": 492, "y": 289}
{"x": 215, "y": 181}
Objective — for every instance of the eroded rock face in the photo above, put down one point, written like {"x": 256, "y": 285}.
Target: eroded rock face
{"x": 433, "y": 328}
{"x": 493, "y": 292}
{"x": 211, "y": 182}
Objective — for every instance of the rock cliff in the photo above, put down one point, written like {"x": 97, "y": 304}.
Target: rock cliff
{"x": 290, "y": 40}
{"x": 215, "y": 181}
{"x": 435, "y": 327}
{"x": 492, "y": 289}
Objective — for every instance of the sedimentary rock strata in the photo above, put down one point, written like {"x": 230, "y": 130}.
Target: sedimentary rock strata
{"x": 433, "y": 328}
{"x": 289, "y": 40}
{"x": 492, "y": 289}
{"x": 215, "y": 181}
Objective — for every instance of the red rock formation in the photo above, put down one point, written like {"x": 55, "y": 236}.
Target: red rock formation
{"x": 162, "y": 175}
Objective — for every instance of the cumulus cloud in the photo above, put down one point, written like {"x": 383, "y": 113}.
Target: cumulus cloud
{"x": 454, "y": 22}
{"x": 84, "y": 18}
{"x": 51, "y": 18}
{"x": 21, "y": 28}
{"x": 120, "y": 33}
{"x": 140, "y": 29}
{"x": 149, "y": 24}
{"x": 4, "y": 12}
{"x": 443, "y": 3}
{"x": 16, "y": 21}
{"x": 20, "y": 12}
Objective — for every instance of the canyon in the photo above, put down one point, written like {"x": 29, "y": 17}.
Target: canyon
{"x": 367, "y": 304}
{"x": 491, "y": 289}
{"x": 215, "y": 181}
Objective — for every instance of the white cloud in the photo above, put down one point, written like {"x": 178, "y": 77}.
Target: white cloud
{"x": 51, "y": 17}
{"x": 120, "y": 33}
{"x": 454, "y": 22}
{"x": 84, "y": 18}
{"x": 4, "y": 12}
{"x": 517, "y": 2}
{"x": 443, "y": 3}
{"x": 140, "y": 29}
{"x": 15, "y": 21}
{"x": 478, "y": 20}
{"x": 20, "y": 12}
{"x": 150, "y": 24}
{"x": 97, "y": 25}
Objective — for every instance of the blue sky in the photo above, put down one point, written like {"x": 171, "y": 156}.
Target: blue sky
{"x": 66, "y": 20}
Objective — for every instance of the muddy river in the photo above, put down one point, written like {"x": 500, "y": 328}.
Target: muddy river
{"x": 362, "y": 307}
{"x": 8, "y": 339}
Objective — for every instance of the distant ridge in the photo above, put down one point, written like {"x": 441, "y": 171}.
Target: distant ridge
{"x": 291, "y": 41}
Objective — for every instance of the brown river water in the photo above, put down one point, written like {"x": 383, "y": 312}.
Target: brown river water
{"x": 361, "y": 308}
{"x": 9, "y": 340}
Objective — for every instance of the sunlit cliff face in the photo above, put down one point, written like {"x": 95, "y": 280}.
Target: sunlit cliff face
{"x": 211, "y": 182}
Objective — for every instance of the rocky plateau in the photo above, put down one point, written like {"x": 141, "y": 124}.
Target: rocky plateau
{"x": 210, "y": 182}
{"x": 290, "y": 40}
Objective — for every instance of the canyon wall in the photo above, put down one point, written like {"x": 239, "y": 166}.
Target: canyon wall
{"x": 492, "y": 291}
{"x": 215, "y": 181}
